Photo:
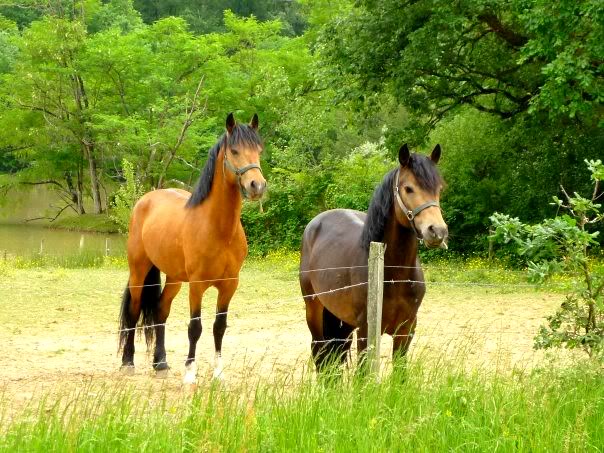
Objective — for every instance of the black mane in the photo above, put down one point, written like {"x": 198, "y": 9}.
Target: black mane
{"x": 242, "y": 134}
{"x": 427, "y": 177}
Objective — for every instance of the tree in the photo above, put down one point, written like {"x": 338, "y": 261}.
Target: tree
{"x": 562, "y": 245}
{"x": 48, "y": 81}
{"x": 499, "y": 57}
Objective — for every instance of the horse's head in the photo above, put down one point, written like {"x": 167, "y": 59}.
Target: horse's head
{"x": 417, "y": 187}
{"x": 242, "y": 150}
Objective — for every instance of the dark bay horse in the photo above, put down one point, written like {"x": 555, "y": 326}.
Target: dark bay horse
{"x": 195, "y": 238}
{"x": 404, "y": 208}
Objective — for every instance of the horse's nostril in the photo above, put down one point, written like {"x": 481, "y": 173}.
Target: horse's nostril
{"x": 254, "y": 184}
{"x": 436, "y": 232}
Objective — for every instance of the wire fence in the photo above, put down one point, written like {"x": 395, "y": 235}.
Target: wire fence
{"x": 332, "y": 291}
{"x": 301, "y": 297}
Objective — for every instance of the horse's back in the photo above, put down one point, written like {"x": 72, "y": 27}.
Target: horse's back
{"x": 333, "y": 239}
{"x": 333, "y": 230}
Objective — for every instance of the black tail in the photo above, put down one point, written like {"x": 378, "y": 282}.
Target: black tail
{"x": 149, "y": 307}
{"x": 338, "y": 331}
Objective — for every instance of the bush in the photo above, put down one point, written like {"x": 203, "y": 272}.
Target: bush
{"x": 295, "y": 197}
{"x": 563, "y": 245}
{"x": 126, "y": 197}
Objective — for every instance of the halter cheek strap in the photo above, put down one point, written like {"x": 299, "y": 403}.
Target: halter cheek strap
{"x": 411, "y": 214}
{"x": 240, "y": 171}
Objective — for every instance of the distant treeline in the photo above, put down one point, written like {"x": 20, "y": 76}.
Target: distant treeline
{"x": 511, "y": 90}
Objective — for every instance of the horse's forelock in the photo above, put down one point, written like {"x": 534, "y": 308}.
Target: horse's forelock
{"x": 425, "y": 172}
{"x": 243, "y": 134}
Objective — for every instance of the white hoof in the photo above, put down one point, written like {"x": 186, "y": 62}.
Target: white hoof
{"x": 218, "y": 367}
{"x": 218, "y": 375}
{"x": 190, "y": 374}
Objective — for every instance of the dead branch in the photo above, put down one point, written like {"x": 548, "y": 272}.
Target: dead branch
{"x": 188, "y": 121}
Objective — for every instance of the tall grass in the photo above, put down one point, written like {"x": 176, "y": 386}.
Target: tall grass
{"x": 417, "y": 408}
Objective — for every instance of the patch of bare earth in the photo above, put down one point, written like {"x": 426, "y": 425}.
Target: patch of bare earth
{"x": 59, "y": 332}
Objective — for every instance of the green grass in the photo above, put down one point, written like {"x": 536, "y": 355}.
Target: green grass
{"x": 422, "y": 409}
{"x": 435, "y": 405}
{"x": 99, "y": 223}
{"x": 75, "y": 260}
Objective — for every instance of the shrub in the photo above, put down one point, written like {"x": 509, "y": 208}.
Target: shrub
{"x": 126, "y": 197}
{"x": 563, "y": 244}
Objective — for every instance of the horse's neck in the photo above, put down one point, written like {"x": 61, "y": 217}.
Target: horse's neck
{"x": 401, "y": 246}
{"x": 223, "y": 204}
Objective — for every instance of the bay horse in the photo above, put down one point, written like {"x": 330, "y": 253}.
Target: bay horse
{"x": 196, "y": 238}
{"x": 335, "y": 247}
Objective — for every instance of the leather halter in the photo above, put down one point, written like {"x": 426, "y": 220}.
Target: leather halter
{"x": 239, "y": 171}
{"x": 411, "y": 214}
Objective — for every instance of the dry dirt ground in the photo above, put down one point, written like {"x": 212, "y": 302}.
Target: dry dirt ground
{"x": 59, "y": 330}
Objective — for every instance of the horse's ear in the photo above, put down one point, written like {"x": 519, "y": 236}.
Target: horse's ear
{"x": 230, "y": 123}
{"x": 435, "y": 156}
{"x": 404, "y": 155}
{"x": 254, "y": 122}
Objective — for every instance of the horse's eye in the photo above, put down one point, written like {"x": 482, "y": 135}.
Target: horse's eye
{"x": 234, "y": 152}
{"x": 408, "y": 189}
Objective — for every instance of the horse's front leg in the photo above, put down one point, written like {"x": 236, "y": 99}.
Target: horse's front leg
{"x": 401, "y": 340}
{"x": 225, "y": 293}
{"x": 196, "y": 291}
{"x": 402, "y": 337}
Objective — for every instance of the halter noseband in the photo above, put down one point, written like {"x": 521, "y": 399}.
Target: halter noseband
{"x": 411, "y": 214}
{"x": 239, "y": 171}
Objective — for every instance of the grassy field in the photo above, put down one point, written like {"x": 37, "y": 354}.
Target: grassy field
{"x": 473, "y": 381}
{"x": 422, "y": 409}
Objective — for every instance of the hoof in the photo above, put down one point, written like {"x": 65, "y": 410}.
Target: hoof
{"x": 218, "y": 375}
{"x": 127, "y": 370}
{"x": 162, "y": 374}
{"x": 190, "y": 374}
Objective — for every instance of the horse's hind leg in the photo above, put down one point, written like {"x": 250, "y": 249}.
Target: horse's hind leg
{"x": 131, "y": 310}
{"x": 225, "y": 293}
{"x": 314, "y": 320}
{"x": 338, "y": 333}
{"x": 170, "y": 291}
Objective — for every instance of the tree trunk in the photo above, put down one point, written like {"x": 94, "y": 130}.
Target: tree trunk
{"x": 80, "y": 188}
{"x": 74, "y": 192}
{"x": 94, "y": 179}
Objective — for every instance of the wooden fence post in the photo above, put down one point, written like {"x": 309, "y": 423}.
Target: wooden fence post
{"x": 490, "y": 244}
{"x": 375, "y": 294}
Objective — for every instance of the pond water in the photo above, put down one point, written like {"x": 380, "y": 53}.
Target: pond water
{"x": 25, "y": 240}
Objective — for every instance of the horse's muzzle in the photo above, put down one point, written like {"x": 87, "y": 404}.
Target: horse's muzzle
{"x": 254, "y": 189}
{"x": 435, "y": 236}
